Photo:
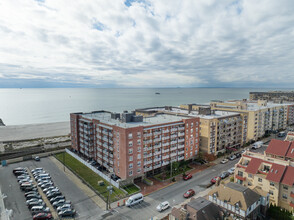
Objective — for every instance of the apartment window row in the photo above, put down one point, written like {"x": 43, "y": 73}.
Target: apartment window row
{"x": 130, "y": 135}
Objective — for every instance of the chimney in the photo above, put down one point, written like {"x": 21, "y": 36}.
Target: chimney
{"x": 190, "y": 108}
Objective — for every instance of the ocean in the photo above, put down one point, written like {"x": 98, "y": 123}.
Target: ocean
{"x": 30, "y": 106}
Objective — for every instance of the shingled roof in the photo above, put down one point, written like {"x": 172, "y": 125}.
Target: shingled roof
{"x": 253, "y": 165}
{"x": 234, "y": 193}
{"x": 276, "y": 173}
{"x": 278, "y": 147}
{"x": 288, "y": 177}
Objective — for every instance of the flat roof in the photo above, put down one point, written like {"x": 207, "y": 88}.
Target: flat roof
{"x": 105, "y": 117}
{"x": 193, "y": 113}
{"x": 252, "y": 106}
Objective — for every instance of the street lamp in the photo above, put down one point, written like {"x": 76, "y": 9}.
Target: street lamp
{"x": 109, "y": 190}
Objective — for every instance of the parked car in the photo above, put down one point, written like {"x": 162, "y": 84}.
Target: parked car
{"x": 224, "y": 161}
{"x": 31, "y": 192}
{"x": 45, "y": 185}
{"x": 200, "y": 161}
{"x": 57, "y": 198}
{"x": 18, "y": 169}
{"x": 39, "y": 209}
{"x": 64, "y": 207}
{"x": 214, "y": 179}
{"x": 32, "y": 204}
{"x": 33, "y": 196}
{"x": 282, "y": 134}
{"x": 189, "y": 193}
{"x": 37, "y": 158}
{"x": 162, "y": 206}
{"x": 54, "y": 194}
{"x": 52, "y": 191}
{"x": 20, "y": 172}
{"x": 187, "y": 176}
{"x": 40, "y": 183}
{"x": 114, "y": 177}
{"x": 67, "y": 213}
{"x": 34, "y": 200}
{"x": 231, "y": 170}
{"x": 50, "y": 188}
{"x": 42, "y": 216}
{"x": 60, "y": 203}
{"x": 31, "y": 188}
{"x": 238, "y": 155}
{"x": 232, "y": 157}
{"x": 257, "y": 145}
{"x": 224, "y": 174}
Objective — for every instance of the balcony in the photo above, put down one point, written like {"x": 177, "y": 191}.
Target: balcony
{"x": 173, "y": 154}
{"x": 174, "y": 129}
{"x": 105, "y": 158}
{"x": 157, "y": 146}
{"x": 262, "y": 172}
{"x": 148, "y": 142}
{"x": 99, "y": 161}
{"x": 181, "y": 152}
{"x": 165, "y": 144}
{"x": 240, "y": 177}
{"x": 148, "y": 135}
{"x": 165, "y": 131}
{"x": 181, "y": 128}
{"x": 180, "y": 146}
{"x": 292, "y": 194}
{"x": 111, "y": 148}
{"x": 100, "y": 150}
{"x": 148, "y": 162}
{"x": 165, "y": 151}
{"x": 156, "y": 133}
{"x": 181, "y": 158}
{"x": 173, "y": 142}
{"x": 241, "y": 166}
{"x": 173, "y": 148}
{"x": 111, "y": 155}
{"x": 181, "y": 133}
{"x": 165, "y": 163}
{"x": 157, "y": 153}
{"x": 292, "y": 204}
{"x": 165, "y": 138}
{"x": 111, "y": 162}
{"x": 181, "y": 140}
{"x": 105, "y": 132}
{"x": 165, "y": 157}
{"x": 157, "y": 140}
{"x": 157, "y": 159}
{"x": 173, "y": 136}
{"x": 157, "y": 166}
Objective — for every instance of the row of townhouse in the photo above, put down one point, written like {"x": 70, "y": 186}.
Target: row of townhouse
{"x": 261, "y": 116}
{"x": 219, "y": 130}
{"x": 132, "y": 146}
{"x": 272, "y": 172}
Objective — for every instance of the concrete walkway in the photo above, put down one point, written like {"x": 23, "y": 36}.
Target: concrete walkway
{"x": 3, "y": 212}
{"x": 89, "y": 192}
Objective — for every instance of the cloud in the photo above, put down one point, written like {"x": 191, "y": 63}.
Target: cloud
{"x": 131, "y": 43}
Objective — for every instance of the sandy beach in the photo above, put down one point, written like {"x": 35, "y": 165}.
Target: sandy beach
{"x": 33, "y": 131}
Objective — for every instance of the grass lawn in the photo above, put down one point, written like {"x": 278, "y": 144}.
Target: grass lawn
{"x": 131, "y": 188}
{"x": 90, "y": 177}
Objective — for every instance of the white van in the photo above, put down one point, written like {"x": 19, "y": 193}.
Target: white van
{"x": 135, "y": 199}
{"x": 257, "y": 145}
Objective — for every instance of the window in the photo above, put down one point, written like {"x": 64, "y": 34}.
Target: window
{"x": 139, "y": 134}
{"x": 130, "y": 143}
{"x": 285, "y": 187}
{"x": 250, "y": 175}
{"x": 259, "y": 180}
{"x": 139, "y": 142}
{"x": 130, "y": 158}
{"x": 130, "y": 150}
{"x": 118, "y": 163}
{"x": 240, "y": 173}
{"x": 130, "y": 166}
{"x": 192, "y": 125}
{"x": 285, "y": 196}
{"x": 249, "y": 184}
{"x": 130, "y": 135}
{"x": 271, "y": 192}
{"x": 139, "y": 156}
{"x": 191, "y": 154}
{"x": 139, "y": 170}
{"x": 130, "y": 173}
{"x": 139, "y": 149}
{"x": 139, "y": 163}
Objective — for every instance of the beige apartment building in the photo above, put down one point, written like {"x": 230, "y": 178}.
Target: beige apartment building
{"x": 261, "y": 115}
{"x": 273, "y": 175}
{"x": 132, "y": 146}
{"x": 219, "y": 130}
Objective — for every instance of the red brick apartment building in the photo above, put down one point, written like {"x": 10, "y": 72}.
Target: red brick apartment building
{"x": 132, "y": 146}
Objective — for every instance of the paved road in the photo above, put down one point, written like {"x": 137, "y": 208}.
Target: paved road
{"x": 173, "y": 194}
{"x": 85, "y": 207}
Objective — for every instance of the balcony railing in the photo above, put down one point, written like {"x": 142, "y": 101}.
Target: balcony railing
{"x": 292, "y": 194}
{"x": 173, "y": 148}
{"x": 165, "y": 157}
{"x": 148, "y": 162}
{"x": 180, "y": 146}
{"x": 240, "y": 178}
{"x": 174, "y": 129}
{"x": 157, "y": 159}
{"x": 173, "y": 154}
{"x": 173, "y": 136}
{"x": 165, "y": 144}
{"x": 181, "y": 152}
{"x": 157, "y": 166}
{"x": 165, "y": 151}
{"x": 157, "y": 153}
{"x": 181, "y": 158}
{"x": 156, "y": 133}
{"x": 165, "y": 131}
{"x": 181, "y": 128}
{"x": 165, "y": 138}
{"x": 181, "y": 133}
{"x": 165, "y": 163}
{"x": 181, "y": 140}
{"x": 148, "y": 169}
{"x": 173, "y": 142}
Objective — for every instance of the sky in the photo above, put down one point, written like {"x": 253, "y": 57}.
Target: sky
{"x": 156, "y": 43}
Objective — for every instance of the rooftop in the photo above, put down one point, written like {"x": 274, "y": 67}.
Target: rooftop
{"x": 193, "y": 113}
{"x": 105, "y": 117}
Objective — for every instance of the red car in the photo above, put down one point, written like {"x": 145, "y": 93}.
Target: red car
{"x": 41, "y": 216}
{"x": 189, "y": 193}
{"x": 214, "y": 179}
{"x": 187, "y": 176}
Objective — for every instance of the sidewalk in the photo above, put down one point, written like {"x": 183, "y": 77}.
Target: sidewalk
{"x": 3, "y": 212}
{"x": 89, "y": 192}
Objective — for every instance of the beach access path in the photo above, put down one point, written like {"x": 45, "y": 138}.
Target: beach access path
{"x": 33, "y": 131}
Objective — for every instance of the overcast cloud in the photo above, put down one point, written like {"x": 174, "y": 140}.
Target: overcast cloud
{"x": 160, "y": 43}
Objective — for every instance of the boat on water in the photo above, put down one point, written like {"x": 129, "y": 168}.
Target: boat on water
{"x": 157, "y": 93}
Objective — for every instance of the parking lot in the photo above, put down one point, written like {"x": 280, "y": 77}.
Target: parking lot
{"x": 15, "y": 201}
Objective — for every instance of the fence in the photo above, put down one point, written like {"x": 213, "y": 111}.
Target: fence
{"x": 108, "y": 179}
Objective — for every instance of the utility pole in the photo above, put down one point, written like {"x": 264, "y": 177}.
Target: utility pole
{"x": 171, "y": 168}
